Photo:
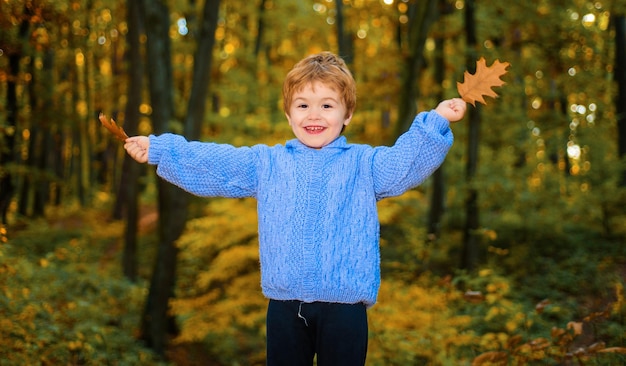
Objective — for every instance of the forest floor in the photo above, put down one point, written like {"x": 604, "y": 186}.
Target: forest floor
{"x": 106, "y": 242}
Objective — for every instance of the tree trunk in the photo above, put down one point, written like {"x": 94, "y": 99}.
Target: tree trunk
{"x": 619, "y": 22}
{"x": 260, "y": 29}
{"x": 27, "y": 181}
{"x": 173, "y": 202}
{"x": 8, "y": 135}
{"x": 471, "y": 241}
{"x": 437, "y": 199}
{"x": 7, "y": 144}
{"x": 202, "y": 70}
{"x": 421, "y": 16}
{"x": 34, "y": 190}
{"x": 156, "y": 322}
{"x": 344, "y": 39}
{"x": 42, "y": 186}
{"x": 128, "y": 193}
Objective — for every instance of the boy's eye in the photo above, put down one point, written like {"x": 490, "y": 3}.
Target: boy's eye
{"x": 327, "y": 106}
{"x": 302, "y": 106}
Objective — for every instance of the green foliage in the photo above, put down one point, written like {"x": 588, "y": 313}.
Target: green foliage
{"x": 62, "y": 302}
{"x": 513, "y": 333}
{"x": 414, "y": 323}
{"x": 542, "y": 277}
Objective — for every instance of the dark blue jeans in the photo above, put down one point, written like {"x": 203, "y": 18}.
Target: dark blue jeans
{"x": 297, "y": 331}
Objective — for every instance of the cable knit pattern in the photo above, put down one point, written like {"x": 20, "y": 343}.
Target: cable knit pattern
{"x": 318, "y": 221}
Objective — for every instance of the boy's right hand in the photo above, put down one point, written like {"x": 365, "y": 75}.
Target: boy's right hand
{"x": 137, "y": 147}
{"x": 452, "y": 109}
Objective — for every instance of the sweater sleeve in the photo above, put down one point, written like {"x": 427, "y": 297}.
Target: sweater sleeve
{"x": 414, "y": 157}
{"x": 204, "y": 169}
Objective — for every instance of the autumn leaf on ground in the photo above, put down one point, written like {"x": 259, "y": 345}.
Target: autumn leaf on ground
{"x": 474, "y": 296}
{"x": 475, "y": 87}
{"x": 490, "y": 358}
{"x": 613, "y": 350}
{"x": 110, "y": 125}
{"x": 541, "y": 306}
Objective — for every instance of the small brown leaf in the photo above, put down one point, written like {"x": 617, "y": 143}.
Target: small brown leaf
{"x": 596, "y": 347}
{"x": 542, "y": 305}
{"x": 557, "y": 332}
{"x": 490, "y": 357}
{"x": 539, "y": 344}
{"x": 576, "y": 327}
{"x": 110, "y": 125}
{"x": 613, "y": 350}
{"x": 474, "y": 87}
{"x": 596, "y": 315}
{"x": 474, "y": 296}
{"x": 514, "y": 341}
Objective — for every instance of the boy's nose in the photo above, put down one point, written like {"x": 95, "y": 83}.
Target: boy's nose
{"x": 314, "y": 113}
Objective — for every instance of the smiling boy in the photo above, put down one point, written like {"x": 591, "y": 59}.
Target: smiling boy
{"x": 316, "y": 200}
{"x": 317, "y": 115}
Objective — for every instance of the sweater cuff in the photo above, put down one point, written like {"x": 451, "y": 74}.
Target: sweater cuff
{"x": 155, "y": 151}
{"x": 432, "y": 122}
{"x": 439, "y": 122}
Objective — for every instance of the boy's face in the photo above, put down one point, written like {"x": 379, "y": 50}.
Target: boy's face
{"x": 317, "y": 115}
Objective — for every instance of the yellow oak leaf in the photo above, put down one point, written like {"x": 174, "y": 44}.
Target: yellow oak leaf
{"x": 476, "y": 86}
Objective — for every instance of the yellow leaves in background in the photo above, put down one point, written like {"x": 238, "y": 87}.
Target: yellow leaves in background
{"x": 3, "y": 235}
{"x": 391, "y": 210}
{"x": 227, "y": 222}
{"x": 414, "y": 322}
{"x": 228, "y": 264}
{"x": 219, "y": 294}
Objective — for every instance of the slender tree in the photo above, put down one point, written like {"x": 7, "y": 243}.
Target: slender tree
{"x": 619, "y": 22}
{"x": 44, "y": 162}
{"x": 33, "y": 142}
{"x": 438, "y": 194}
{"x": 422, "y": 14}
{"x": 258, "y": 43}
{"x": 157, "y": 323}
{"x": 40, "y": 91}
{"x": 7, "y": 144}
{"x": 128, "y": 193}
{"x": 202, "y": 69}
{"x": 344, "y": 38}
{"x": 469, "y": 256}
{"x": 172, "y": 201}
{"x": 437, "y": 197}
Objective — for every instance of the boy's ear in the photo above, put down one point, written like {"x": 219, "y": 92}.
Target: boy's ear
{"x": 347, "y": 120}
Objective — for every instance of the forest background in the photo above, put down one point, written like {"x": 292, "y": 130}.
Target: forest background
{"x": 512, "y": 253}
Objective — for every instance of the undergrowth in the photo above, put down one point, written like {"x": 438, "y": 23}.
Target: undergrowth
{"x": 62, "y": 298}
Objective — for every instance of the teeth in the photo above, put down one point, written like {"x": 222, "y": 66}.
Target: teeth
{"x": 314, "y": 128}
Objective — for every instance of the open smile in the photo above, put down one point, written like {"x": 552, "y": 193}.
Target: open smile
{"x": 314, "y": 129}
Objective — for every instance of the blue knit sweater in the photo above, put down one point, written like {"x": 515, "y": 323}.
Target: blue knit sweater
{"x": 318, "y": 222}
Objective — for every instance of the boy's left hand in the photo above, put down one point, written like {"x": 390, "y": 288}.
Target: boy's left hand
{"x": 452, "y": 109}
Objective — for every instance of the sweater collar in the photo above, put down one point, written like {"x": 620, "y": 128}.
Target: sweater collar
{"x": 339, "y": 143}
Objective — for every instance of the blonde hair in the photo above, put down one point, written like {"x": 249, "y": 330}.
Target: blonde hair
{"x": 327, "y": 68}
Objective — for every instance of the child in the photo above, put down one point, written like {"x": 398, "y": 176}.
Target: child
{"x": 316, "y": 200}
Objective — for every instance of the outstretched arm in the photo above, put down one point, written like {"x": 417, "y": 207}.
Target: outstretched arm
{"x": 452, "y": 109}
{"x": 137, "y": 147}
